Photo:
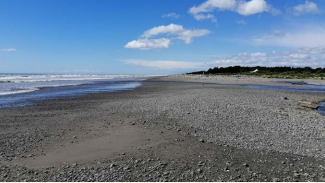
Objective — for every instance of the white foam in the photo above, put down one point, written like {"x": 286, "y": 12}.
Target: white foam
{"x": 17, "y": 92}
{"x": 48, "y": 78}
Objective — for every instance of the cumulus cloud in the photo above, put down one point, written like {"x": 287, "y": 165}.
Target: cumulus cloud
{"x": 174, "y": 31}
{"x": 171, "y": 15}
{"x": 245, "y": 8}
{"x": 258, "y": 54}
{"x": 310, "y": 37}
{"x": 167, "y": 65}
{"x": 205, "y": 16}
{"x": 315, "y": 50}
{"x": 9, "y": 50}
{"x": 252, "y": 7}
{"x": 298, "y": 56}
{"x": 148, "y": 44}
{"x": 307, "y": 8}
{"x": 303, "y": 57}
{"x": 311, "y": 57}
{"x": 169, "y": 29}
{"x": 188, "y": 35}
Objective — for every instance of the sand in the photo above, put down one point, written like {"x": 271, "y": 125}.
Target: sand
{"x": 175, "y": 128}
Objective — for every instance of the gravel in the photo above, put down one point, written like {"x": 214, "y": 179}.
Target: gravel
{"x": 224, "y": 133}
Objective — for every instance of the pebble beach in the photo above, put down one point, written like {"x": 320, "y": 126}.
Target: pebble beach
{"x": 172, "y": 128}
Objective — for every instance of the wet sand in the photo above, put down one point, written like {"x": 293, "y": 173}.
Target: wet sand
{"x": 172, "y": 128}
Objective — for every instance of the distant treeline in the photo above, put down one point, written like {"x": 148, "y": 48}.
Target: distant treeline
{"x": 270, "y": 72}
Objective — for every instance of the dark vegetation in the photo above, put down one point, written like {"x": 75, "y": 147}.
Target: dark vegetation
{"x": 268, "y": 72}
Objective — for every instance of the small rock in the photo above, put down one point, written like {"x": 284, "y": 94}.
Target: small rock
{"x": 306, "y": 174}
{"x": 296, "y": 175}
{"x": 275, "y": 180}
{"x": 112, "y": 165}
{"x": 201, "y": 140}
{"x": 201, "y": 163}
{"x": 285, "y": 98}
{"x": 165, "y": 173}
{"x": 163, "y": 163}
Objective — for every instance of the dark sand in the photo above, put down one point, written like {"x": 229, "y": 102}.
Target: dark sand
{"x": 167, "y": 130}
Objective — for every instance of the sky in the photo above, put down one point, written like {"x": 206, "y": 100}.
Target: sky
{"x": 158, "y": 37}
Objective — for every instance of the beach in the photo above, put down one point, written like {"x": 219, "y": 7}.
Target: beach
{"x": 172, "y": 128}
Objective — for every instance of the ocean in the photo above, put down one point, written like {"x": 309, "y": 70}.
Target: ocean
{"x": 26, "y": 89}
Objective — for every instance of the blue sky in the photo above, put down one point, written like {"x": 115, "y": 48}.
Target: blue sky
{"x": 158, "y": 37}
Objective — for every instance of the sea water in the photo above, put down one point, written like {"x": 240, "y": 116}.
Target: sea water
{"x": 26, "y": 89}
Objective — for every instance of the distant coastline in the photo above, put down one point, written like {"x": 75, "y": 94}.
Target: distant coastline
{"x": 268, "y": 72}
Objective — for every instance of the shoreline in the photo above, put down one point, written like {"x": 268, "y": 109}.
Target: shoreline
{"x": 18, "y": 84}
{"x": 172, "y": 131}
{"x": 210, "y": 79}
{"x": 66, "y": 91}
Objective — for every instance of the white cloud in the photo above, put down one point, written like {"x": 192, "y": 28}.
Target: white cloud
{"x": 148, "y": 44}
{"x": 167, "y": 65}
{"x": 258, "y": 54}
{"x": 311, "y": 37}
{"x": 307, "y": 8}
{"x": 210, "y": 5}
{"x": 171, "y": 15}
{"x": 9, "y": 50}
{"x": 172, "y": 30}
{"x": 298, "y": 56}
{"x": 303, "y": 57}
{"x": 169, "y": 29}
{"x": 188, "y": 35}
{"x": 241, "y": 7}
{"x": 241, "y": 22}
{"x": 315, "y": 50}
{"x": 252, "y": 7}
{"x": 311, "y": 57}
{"x": 204, "y": 17}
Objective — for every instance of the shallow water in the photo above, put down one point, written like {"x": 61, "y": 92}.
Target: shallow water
{"x": 24, "y": 83}
{"x": 25, "y": 99}
{"x": 321, "y": 109}
{"x": 310, "y": 88}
